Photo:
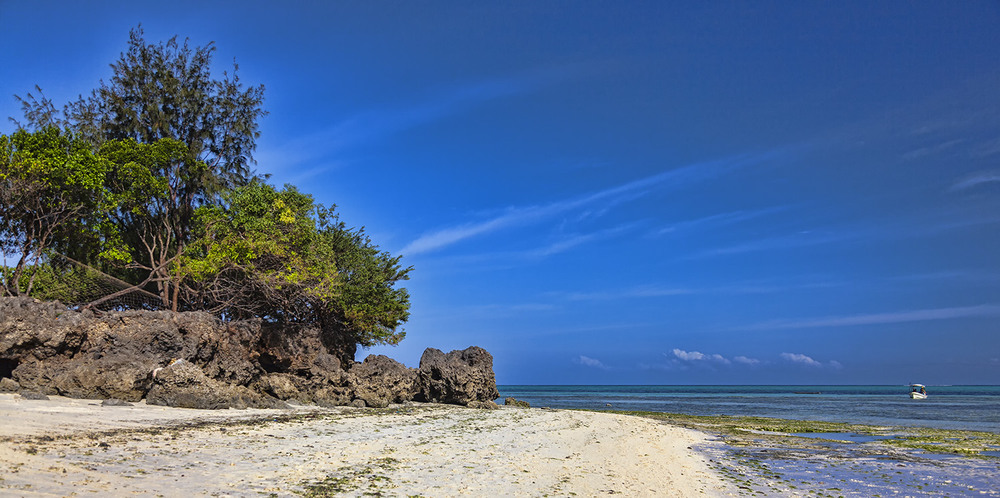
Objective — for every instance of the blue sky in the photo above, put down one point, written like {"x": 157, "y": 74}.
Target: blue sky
{"x": 626, "y": 192}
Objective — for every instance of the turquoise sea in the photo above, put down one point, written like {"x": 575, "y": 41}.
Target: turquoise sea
{"x": 946, "y": 407}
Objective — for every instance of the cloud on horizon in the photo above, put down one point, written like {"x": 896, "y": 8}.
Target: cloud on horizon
{"x": 698, "y": 356}
{"x": 591, "y": 362}
{"x": 746, "y": 361}
{"x": 679, "y": 359}
{"x": 802, "y": 359}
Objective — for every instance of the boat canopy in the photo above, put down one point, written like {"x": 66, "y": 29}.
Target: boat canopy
{"x": 917, "y": 385}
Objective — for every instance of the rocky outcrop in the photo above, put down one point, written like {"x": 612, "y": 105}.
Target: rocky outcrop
{"x": 458, "y": 377}
{"x": 380, "y": 380}
{"x": 79, "y": 354}
{"x": 184, "y": 385}
{"x": 483, "y": 405}
{"x": 516, "y": 403}
{"x": 195, "y": 360}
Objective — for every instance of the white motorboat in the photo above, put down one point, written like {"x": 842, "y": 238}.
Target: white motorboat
{"x": 918, "y": 391}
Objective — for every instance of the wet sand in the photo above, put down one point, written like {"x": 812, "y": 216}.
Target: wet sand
{"x": 62, "y": 446}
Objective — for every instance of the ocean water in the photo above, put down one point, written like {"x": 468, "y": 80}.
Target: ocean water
{"x": 946, "y": 407}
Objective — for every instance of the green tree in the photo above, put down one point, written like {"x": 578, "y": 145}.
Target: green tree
{"x": 166, "y": 90}
{"x": 126, "y": 208}
{"x": 150, "y": 186}
{"x": 179, "y": 138}
{"x": 279, "y": 256}
{"x": 51, "y": 191}
{"x": 39, "y": 112}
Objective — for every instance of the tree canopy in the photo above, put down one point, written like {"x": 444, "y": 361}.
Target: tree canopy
{"x": 51, "y": 186}
{"x": 147, "y": 182}
{"x": 277, "y": 255}
{"x": 166, "y": 90}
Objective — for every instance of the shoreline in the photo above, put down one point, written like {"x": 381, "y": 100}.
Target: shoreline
{"x": 61, "y": 445}
{"x": 975, "y": 408}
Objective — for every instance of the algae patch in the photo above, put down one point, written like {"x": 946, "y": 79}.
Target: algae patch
{"x": 370, "y": 479}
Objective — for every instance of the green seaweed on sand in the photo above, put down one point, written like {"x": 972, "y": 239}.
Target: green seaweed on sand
{"x": 748, "y": 431}
{"x": 369, "y": 478}
{"x": 725, "y": 424}
{"x": 967, "y": 443}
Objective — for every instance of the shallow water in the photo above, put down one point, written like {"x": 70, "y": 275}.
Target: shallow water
{"x": 844, "y": 472}
{"x": 947, "y": 407}
{"x": 842, "y": 436}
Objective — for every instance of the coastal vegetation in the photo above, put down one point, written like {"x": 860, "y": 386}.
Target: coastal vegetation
{"x": 142, "y": 195}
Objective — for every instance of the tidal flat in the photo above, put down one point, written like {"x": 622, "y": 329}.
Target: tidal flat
{"x": 776, "y": 457}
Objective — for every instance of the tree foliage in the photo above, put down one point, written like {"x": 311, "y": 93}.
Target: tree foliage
{"x": 123, "y": 207}
{"x": 39, "y": 112}
{"x": 147, "y": 182}
{"x": 51, "y": 188}
{"x": 166, "y": 90}
{"x": 277, "y": 255}
{"x": 154, "y": 192}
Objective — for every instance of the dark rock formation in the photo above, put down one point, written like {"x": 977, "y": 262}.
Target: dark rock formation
{"x": 283, "y": 386}
{"x": 9, "y": 385}
{"x": 483, "y": 405}
{"x": 458, "y": 377}
{"x": 131, "y": 355}
{"x": 78, "y": 354}
{"x": 380, "y": 380}
{"x": 516, "y": 402}
{"x": 184, "y": 385}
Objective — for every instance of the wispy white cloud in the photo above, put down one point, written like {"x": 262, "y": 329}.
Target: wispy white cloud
{"x": 516, "y": 216}
{"x": 632, "y": 293}
{"x": 930, "y": 222}
{"x": 498, "y": 261}
{"x": 803, "y": 238}
{"x": 285, "y": 158}
{"x": 591, "y": 362}
{"x": 966, "y": 277}
{"x": 881, "y": 318}
{"x": 933, "y": 149}
{"x": 376, "y": 123}
{"x": 573, "y": 241}
{"x": 987, "y": 148}
{"x": 975, "y": 180}
{"x": 718, "y": 220}
{"x": 764, "y": 286}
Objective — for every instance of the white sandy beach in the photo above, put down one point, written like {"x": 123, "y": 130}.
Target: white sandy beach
{"x": 63, "y": 447}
